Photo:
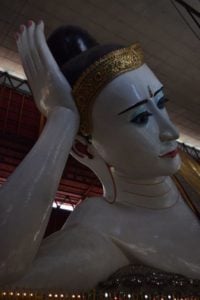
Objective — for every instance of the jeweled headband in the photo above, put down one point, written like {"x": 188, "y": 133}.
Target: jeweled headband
{"x": 88, "y": 66}
{"x": 98, "y": 75}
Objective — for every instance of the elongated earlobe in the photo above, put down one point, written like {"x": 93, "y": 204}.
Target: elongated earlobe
{"x": 85, "y": 153}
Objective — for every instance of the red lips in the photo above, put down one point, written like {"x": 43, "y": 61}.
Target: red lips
{"x": 171, "y": 154}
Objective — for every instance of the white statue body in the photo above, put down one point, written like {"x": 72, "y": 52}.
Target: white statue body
{"x": 148, "y": 222}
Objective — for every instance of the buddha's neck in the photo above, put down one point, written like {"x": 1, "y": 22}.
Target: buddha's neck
{"x": 156, "y": 193}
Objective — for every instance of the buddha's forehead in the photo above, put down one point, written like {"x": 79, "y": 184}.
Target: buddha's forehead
{"x": 129, "y": 88}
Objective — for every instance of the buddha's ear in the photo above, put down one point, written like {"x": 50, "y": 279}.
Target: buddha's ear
{"x": 83, "y": 151}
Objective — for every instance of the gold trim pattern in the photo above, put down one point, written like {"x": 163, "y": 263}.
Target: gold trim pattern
{"x": 98, "y": 75}
{"x": 190, "y": 172}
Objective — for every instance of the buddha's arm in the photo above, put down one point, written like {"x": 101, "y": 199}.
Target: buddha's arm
{"x": 74, "y": 260}
{"x": 26, "y": 198}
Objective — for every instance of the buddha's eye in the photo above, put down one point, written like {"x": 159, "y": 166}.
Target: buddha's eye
{"x": 142, "y": 118}
{"x": 161, "y": 102}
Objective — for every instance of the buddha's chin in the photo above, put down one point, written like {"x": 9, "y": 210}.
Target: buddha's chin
{"x": 171, "y": 165}
{"x": 160, "y": 167}
{"x": 164, "y": 167}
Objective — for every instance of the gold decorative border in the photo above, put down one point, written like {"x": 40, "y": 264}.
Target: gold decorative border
{"x": 98, "y": 75}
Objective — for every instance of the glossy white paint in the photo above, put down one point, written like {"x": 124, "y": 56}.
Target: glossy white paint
{"x": 132, "y": 149}
{"x": 148, "y": 223}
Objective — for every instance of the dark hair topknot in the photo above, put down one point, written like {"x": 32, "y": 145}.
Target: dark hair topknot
{"x": 74, "y": 50}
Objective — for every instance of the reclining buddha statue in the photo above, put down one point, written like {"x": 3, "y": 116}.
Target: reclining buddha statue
{"x": 106, "y": 107}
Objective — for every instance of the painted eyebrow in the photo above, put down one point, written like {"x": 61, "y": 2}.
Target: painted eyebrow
{"x": 133, "y": 106}
{"x": 158, "y": 91}
{"x": 139, "y": 103}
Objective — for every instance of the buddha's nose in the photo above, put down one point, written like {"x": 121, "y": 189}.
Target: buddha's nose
{"x": 168, "y": 130}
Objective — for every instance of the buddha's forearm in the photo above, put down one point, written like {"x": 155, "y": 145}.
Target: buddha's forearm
{"x": 26, "y": 199}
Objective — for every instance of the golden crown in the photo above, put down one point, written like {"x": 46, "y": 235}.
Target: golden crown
{"x": 98, "y": 75}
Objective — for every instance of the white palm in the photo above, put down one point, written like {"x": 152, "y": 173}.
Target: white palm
{"x": 49, "y": 86}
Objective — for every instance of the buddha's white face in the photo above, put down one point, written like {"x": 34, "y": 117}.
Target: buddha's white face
{"x": 131, "y": 128}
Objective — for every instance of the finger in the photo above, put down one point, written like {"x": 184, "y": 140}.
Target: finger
{"x": 22, "y": 51}
{"x": 28, "y": 52}
{"x": 43, "y": 49}
{"x": 32, "y": 47}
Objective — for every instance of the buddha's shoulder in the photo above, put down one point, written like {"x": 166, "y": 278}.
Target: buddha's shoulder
{"x": 90, "y": 208}
{"x": 93, "y": 203}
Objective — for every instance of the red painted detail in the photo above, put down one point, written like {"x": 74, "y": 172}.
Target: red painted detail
{"x": 82, "y": 149}
{"x": 19, "y": 130}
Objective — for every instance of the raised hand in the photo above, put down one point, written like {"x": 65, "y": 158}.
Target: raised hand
{"x": 33, "y": 185}
{"x": 49, "y": 86}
